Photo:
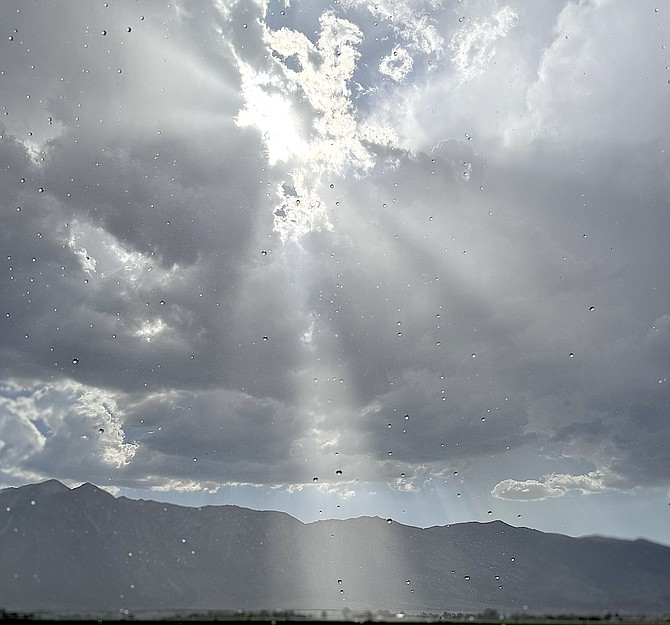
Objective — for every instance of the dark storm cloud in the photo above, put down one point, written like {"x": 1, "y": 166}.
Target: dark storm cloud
{"x": 501, "y": 283}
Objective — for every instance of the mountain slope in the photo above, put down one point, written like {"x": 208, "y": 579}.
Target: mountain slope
{"x": 84, "y": 549}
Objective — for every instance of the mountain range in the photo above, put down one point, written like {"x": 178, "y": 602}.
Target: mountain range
{"x": 65, "y": 549}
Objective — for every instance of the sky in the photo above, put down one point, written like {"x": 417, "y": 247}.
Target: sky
{"x": 395, "y": 258}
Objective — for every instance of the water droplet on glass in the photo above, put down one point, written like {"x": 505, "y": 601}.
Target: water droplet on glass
{"x": 466, "y": 578}
{"x": 389, "y": 521}
{"x": 75, "y": 361}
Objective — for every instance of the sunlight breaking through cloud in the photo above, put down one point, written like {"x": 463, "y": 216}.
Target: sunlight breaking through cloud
{"x": 302, "y": 107}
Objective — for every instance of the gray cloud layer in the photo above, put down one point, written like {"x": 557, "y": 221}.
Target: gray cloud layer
{"x": 477, "y": 240}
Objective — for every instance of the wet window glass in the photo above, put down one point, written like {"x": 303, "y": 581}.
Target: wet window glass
{"x": 393, "y": 270}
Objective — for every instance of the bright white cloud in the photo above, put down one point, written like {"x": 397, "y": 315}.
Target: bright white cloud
{"x": 554, "y": 485}
{"x": 182, "y": 486}
{"x": 411, "y": 21}
{"x": 302, "y": 106}
{"x": 472, "y": 46}
{"x": 397, "y": 64}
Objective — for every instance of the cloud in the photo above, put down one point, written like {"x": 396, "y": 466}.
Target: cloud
{"x": 185, "y": 486}
{"x": 301, "y": 105}
{"x": 77, "y": 428}
{"x": 481, "y": 245}
{"x": 397, "y": 64}
{"x": 554, "y": 485}
{"x": 472, "y": 46}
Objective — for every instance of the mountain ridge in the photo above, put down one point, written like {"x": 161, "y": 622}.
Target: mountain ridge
{"x": 67, "y": 548}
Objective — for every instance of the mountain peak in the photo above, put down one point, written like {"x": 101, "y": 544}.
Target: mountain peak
{"x": 53, "y": 486}
{"x": 88, "y": 488}
{"x": 48, "y": 487}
